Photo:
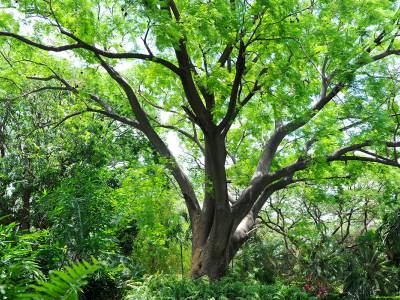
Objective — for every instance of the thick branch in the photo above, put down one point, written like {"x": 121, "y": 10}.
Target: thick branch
{"x": 282, "y": 131}
{"x": 80, "y": 44}
{"x": 240, "y": 68}
{"x": 225, "y": 55}
{"x": 203, "y": 116}
{"x": 183, "y": 181}
{"x": 263, "y": 184}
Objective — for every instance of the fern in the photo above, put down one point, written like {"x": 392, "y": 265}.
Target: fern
{"x": 63, "y": 284}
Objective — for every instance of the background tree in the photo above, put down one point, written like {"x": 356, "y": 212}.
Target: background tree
{"x": 263, "y": 93}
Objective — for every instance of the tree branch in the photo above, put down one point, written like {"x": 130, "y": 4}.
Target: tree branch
{"x": 80, "y": 44}
{"x": 183, "y": 132}
{"x": 183, "y": 181}
{"x": 240, "y": 68}
{"x": 282, "y": 131}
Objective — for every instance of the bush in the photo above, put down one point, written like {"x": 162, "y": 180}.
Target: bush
{"x": 21, "y": 275}
{"x": 255, "y": 260}
{"x": 18, "y": 263}
{"x": 163, "y": 287}
{"x": 108, "y": 282}
{"x": 369, "y": 272}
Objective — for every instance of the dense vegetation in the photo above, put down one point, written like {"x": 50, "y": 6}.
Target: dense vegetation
{"x": 199, "y": 149}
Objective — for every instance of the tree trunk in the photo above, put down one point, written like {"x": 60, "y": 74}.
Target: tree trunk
{"x": 214, "y": 267}
{"x": 218, "y": 231}
{"x": 212, "y": 258}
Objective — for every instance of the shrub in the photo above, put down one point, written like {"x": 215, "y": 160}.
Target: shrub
{"x": 163, "y": 287}
{"x": 255, "y": 260}
{"x": 369, "y": 273}
{"x": 18, "y": 264}
{"x": 22, "y": 276}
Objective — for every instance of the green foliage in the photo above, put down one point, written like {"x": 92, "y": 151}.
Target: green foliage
{"x": 22, "y": 273}
{"x": 65, "y": 284}
{"x": 18, "y": 260}
{"x": 369, "y": 272}
{"x": 106, "y": 283}
{"x": 90, "y": 185}
{"x": 147, "y": 201}
{"x": 323, "y": 234}
{"x": 80, "y": 212}
{"x": 389, "y": 232}
{"x": 256, "y": 260}
{"x": 163, "y": 287}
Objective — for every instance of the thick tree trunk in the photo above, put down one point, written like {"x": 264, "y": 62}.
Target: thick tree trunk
{"x": 212, "y": 257}
{"x": 211, "y": 236}
{"x": 218, "y": 231}
{"x": 212, "y": 266}
{"x": 208, "y": 261}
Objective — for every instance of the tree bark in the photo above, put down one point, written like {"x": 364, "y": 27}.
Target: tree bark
{"x": 213, "y": 257}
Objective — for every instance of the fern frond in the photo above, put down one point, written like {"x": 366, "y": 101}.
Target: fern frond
{"x": 63, "y": 285}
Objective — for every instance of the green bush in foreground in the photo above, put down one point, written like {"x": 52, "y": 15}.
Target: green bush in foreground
{"x": 163, "y": 287}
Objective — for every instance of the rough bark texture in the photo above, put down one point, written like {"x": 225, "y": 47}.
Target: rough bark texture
{"x": 212, "y": 257}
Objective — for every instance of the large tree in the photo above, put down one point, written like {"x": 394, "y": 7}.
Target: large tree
{"x": 263, "y": 94}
